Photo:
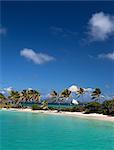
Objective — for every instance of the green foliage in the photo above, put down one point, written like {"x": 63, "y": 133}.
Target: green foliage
{"x": 36, "y": 107}
{"x": 14, "y": 95}
{"x": 30, "y": 95}
{"x": 51, "y": 108}
{"x": 78, "y": 108}
{"x": 81, "y": 91}
{"x": 96, "y": 94}
{"x": 54, "y": 94}
{"x": 66, "y": 93}
{"x": 108, "y": 107}
{"x": 6, "y": 105}
{"x": 70, "y": 109}
{"x": 93, "y": 107}
{"x": 44, "y": 105}
{"x": 2, "y": 98}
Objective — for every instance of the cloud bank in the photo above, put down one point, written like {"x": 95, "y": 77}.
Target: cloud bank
{"x": 6, "y": 90}
{"x": 73, "y": 88}
{"x": 101, "y": 26}
{"x": 109, "y": 56}
{"x": 37, "y": 58}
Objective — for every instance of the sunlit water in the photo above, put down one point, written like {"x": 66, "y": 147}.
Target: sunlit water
{"x": 30, "y": 131}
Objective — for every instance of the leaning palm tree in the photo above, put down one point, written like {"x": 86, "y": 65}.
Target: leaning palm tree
{"x": 30, "y": 95}
{"x": 80, "y": 92}
{"x": 54, "y": 95}
{"x": 44, "y": 104}
{"x": 36, "y": 96}
{"x": 65, "y": 94}
{"x": 96, "y": 94}
{"x": 58, "y": 97}
{"x": 3, "y": 99}
{"x": 14, "y": 96}
{"x": 23, "y": 95}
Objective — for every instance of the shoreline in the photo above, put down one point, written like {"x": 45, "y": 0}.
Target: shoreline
{"x": 92, "y": 116}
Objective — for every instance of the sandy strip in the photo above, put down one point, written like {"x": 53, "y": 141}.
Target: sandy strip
{"x": 74, "y": 114}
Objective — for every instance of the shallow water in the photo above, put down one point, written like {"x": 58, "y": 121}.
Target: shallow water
{"x": 32, "y": 131}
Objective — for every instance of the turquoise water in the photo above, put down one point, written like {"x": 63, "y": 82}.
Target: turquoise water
{"x": 29, "y": 131}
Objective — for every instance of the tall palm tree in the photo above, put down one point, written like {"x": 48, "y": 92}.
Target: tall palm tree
{"x": 45, "y": 104}
{"x": 80, "y": 92}
{"x": 60, "y": 96}
{"x": 14, "y": 96}
{"x": 66, "y": 93}
{"x": 96, "y": 94}
{"x": 23, "y": 95}
{"x": 54, "y": 94}
{"x": 29, "y": 95}
{"x": 36, "y": 96}
{"x": 3, "y": 99}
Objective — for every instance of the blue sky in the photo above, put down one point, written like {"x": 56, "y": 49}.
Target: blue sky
{"x": 53, "y": 45}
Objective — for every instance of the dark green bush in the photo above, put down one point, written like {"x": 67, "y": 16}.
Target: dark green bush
{"x": 73, "y": 109}
{"x": 93, "y": 107}
{"x": 51, "y": 108}
{"x": 108, "y": 107}
{"x": 78, "y": 108}
{"x": 35, "y": 107}
{"x": 65, "y": 109}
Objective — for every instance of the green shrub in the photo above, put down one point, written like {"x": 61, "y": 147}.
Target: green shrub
{"x": 71, "y": 109}
{"x": 93, "y": 107}
{"x": 35, "y": 107}
{"x": 78, "y": 108}
{"x": 6, "y": 105}
{"x": 44, "y": 105}
{"x": 108, "y": 107}
{"x": 51, "y": 108}
{"x": 65, "y": 109}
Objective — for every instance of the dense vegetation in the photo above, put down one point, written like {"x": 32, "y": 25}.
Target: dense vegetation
{"x": 15, "y": 99}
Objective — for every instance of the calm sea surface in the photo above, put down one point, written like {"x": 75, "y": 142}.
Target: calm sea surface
{"x": 29, "y": 131}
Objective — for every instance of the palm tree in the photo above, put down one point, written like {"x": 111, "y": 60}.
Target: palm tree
{"x": 29, "y": 95}
{"x": 36, "y": 96}
{"x": 14, "y": 96}
{"x": 54, "y": 95}
{"x": 45, "y": 104}
{"x": 80, "y": 92}
{"x": 3, "y": 99}
{"x": 60, "y": 96}
{"x": 66, "y": 93}
{"x": 96, "y": 94}
{"x": 23, "y": 95}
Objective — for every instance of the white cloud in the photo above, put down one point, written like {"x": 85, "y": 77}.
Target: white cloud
{"x": 2, "y": 31}
{"x": 88, "y": 89}
{"x": 8, "y": 89}
{"x": 101, "y": 26}
{"x": 29, "y": 88}
{"x": 73, "y": 88}
{"x": 2, "y": 91}
{"x": 107, "y": 56}
{"x": 37, "y": 58}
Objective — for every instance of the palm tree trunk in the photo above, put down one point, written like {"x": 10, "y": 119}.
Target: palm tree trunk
{"x": 82, "y": 100}
{"x": 59, "y": 104}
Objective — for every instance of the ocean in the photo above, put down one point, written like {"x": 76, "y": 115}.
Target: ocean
{"x": 37, "y": 131}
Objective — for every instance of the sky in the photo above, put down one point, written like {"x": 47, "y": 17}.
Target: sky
{"x": 53, "y": 45}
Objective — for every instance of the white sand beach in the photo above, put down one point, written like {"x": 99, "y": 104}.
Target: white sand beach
{"x": 74, "y": 114}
